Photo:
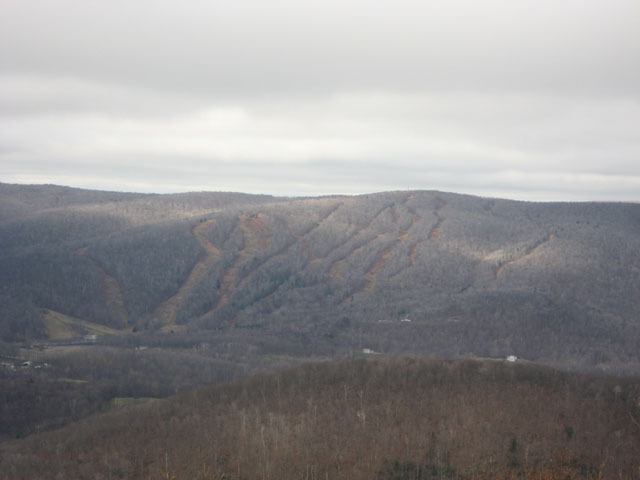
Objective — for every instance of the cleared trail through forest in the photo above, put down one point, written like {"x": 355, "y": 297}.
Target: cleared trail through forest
{"x": 382, "y": 258}
{"x": 435, "y": 231}
{"x": 167, "y": 310}
{"x": 256, "y": 239}
{"x": 527, "y": 253}
{"x": 110, "y": 288}
{"x": 229, "y": 280}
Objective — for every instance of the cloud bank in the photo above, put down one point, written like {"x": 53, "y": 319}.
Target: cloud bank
{"x": 537, "y": 101}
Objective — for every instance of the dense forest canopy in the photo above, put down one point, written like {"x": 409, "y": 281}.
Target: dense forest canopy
{"x": 390, "y": 419}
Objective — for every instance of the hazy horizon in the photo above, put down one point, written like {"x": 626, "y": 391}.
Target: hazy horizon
{"x": 319, "y": 195}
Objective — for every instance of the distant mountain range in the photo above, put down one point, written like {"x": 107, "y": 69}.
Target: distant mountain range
{"x": 423, "y": 272}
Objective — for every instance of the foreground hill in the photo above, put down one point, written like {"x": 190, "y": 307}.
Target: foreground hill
{"x": 363, "y": 419}
{"x": 424, "y": 272}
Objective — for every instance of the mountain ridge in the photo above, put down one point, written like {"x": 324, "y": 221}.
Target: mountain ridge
{"x": 557, "y": 283}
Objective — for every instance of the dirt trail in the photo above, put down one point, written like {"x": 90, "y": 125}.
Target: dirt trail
{"x": 382, "y": 259}
{"x": 318, "y": 223}
{"x": 334, "y": 269}
{"x": 306, "y": 248}
{"x": 199, "y": 232}
{"x": 353, "y": 236}
{"x": 370, "y": 276}
{"x": 435, "y": 231}
{"x": 256, "y": 240}
{"x": 301, "y": 238}
{"x": 412, "y": 253}
{"x": 259, "y": 235}
{"x": 335, "y": 272}
{"x": 229, "y": 279}
{"x": 110, "y": 287}
{"x": 113, "y": 295}
{"x": 227, "y": 284}
{"x": 404, "y": 233}
{"x": 527, "y": 253}
{"x": 167, "y": 310}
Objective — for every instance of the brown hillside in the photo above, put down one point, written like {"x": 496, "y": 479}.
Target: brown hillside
{"x": 385, "y": 419}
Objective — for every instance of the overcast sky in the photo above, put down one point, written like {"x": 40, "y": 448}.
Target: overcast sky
{"x": 535, "y": 100}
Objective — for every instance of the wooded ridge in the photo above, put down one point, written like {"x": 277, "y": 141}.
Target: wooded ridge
{"x": 557, "y": 283}
{"x": 390, "y": 419}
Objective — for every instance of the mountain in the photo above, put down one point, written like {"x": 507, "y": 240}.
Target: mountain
{"x": 390, "y": 419}
{"x": 424, "y": 272}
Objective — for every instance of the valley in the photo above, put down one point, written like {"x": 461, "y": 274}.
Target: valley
{"x": 106, "y": 298}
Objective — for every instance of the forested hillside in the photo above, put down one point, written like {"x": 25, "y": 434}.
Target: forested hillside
{"x": 401, "y": 419}
{"x": 430, "y": 273}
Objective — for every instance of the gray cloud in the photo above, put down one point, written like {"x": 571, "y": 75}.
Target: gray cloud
{"x": 253, "y": 46}
{"x": 535, "y": 100}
